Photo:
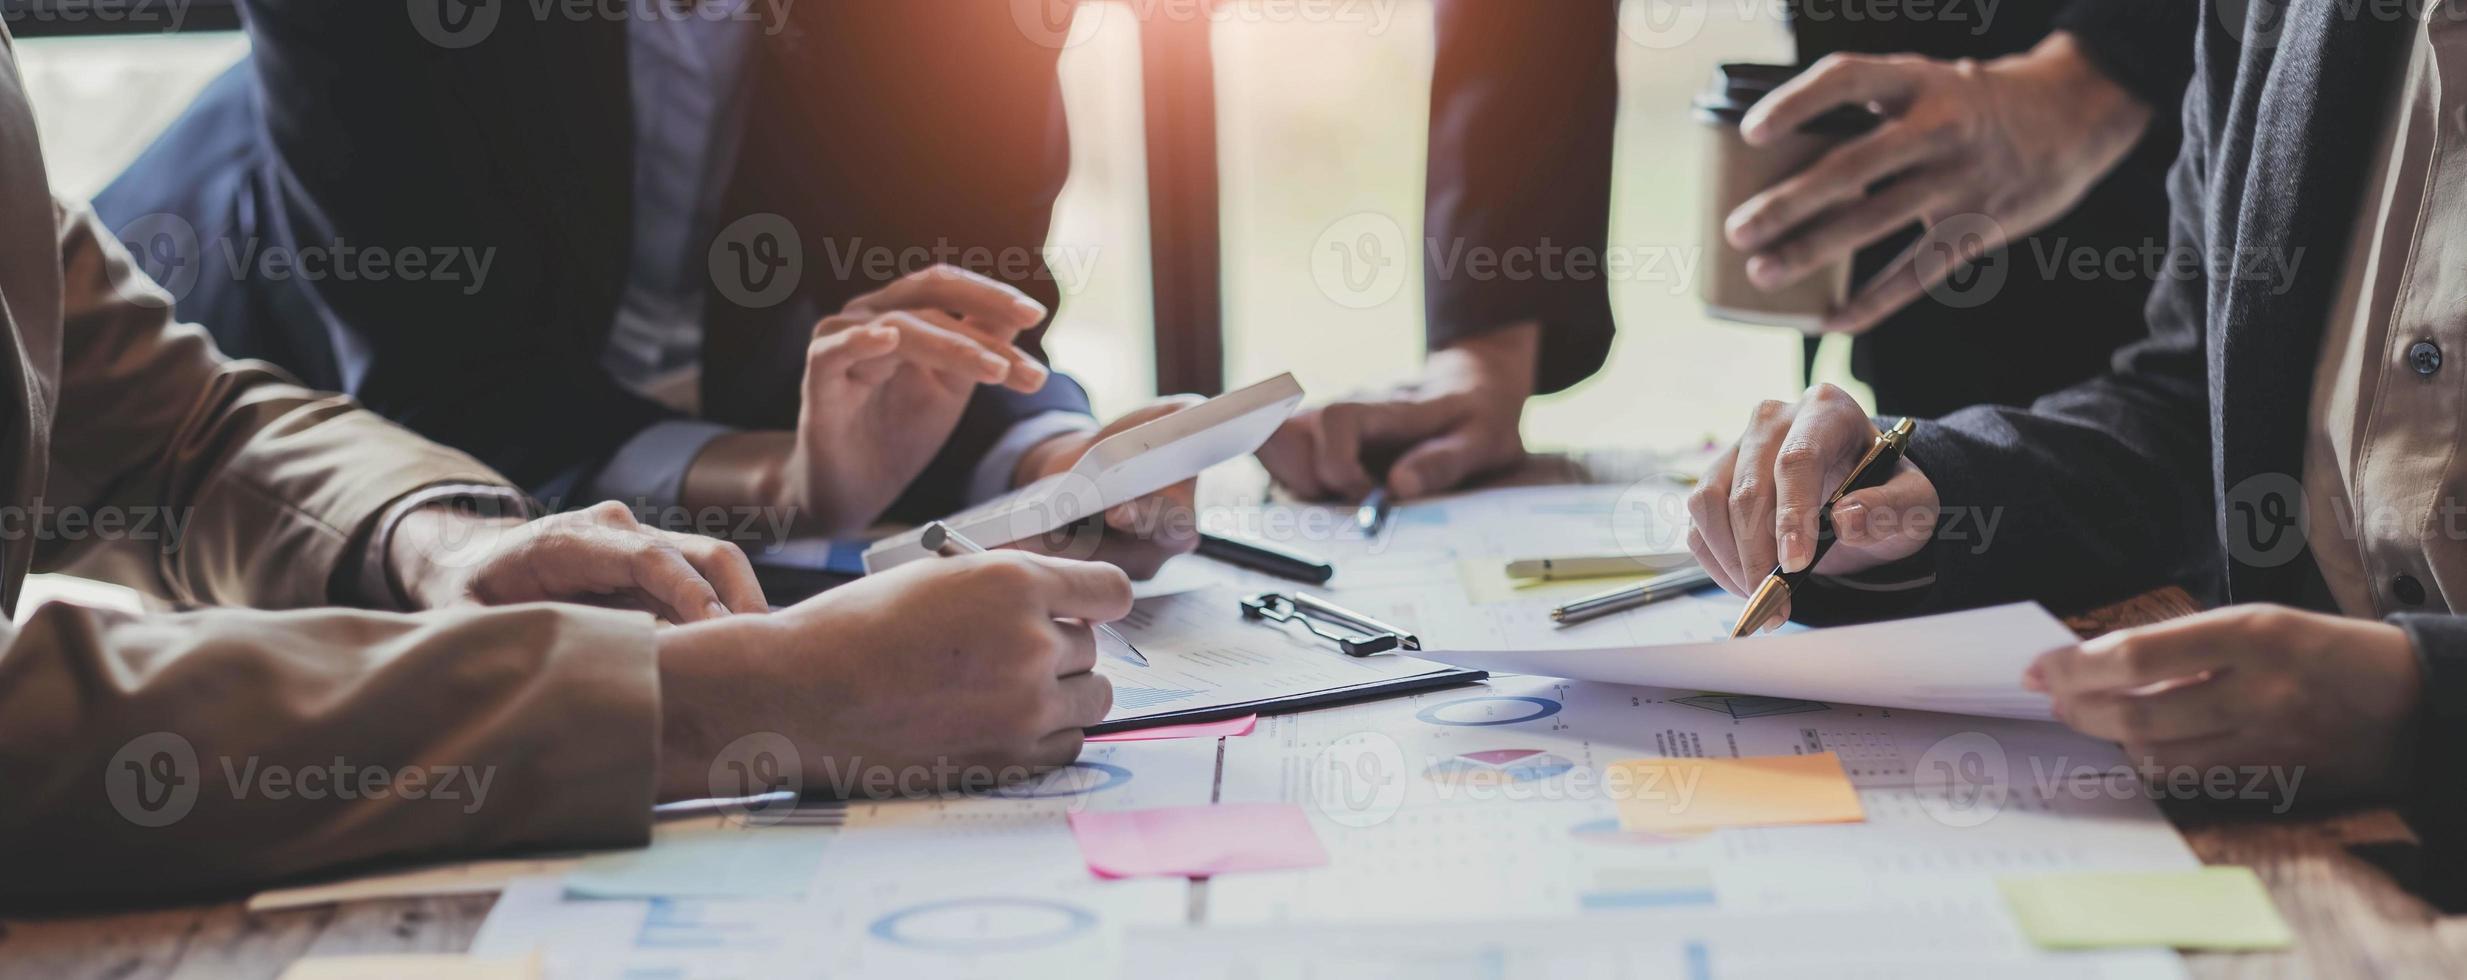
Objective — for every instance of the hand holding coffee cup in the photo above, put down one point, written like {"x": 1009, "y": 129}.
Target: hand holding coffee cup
{"x": 1976, "y": 152}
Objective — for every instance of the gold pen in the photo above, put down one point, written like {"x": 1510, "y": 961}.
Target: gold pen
{"x": 1873, "y": 470}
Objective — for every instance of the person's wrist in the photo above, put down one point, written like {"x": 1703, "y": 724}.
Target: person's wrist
{"x": 1500, "y": 362}
{"x": 750, "y": 469}
{"x": 432, "y": 551}
{"x": 1048, "y": 457}
{"x": 2110, "y": 118}
{"x": 704, "y": 687}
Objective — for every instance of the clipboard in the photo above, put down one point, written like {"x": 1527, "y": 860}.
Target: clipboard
{"x": 1323, "y": 629}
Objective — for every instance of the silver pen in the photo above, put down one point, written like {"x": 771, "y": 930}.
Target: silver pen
{"x": 1651, "y": 590}
{"x": 941, "y": 539}
{"x": 1372, "y": 516}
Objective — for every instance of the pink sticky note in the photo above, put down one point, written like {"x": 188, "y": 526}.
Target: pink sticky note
{"x": 1197, "y": 841}
{"x": 1204, "y": 729}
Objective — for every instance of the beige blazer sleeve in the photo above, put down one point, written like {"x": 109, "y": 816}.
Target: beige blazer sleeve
{"x": 229, "y": 483}
{"x": 151, "y": 756}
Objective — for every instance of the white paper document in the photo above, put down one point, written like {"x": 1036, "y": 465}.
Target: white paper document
{"x": 1120, "y": 468}
{"x": 1968, "y": 663}
{"x": 1202, "y": 654}
{"x": 1941, "y": 943}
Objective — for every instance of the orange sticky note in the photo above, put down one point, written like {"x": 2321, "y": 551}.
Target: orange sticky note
{"x": 1680, "y": 796}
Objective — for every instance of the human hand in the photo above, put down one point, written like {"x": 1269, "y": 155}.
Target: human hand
{"x": 1756, "y": 506}
{"x": 2251, "y": 685}
{"x": 1140, "y": 536}
{"x": 927, "y": 669}
{"x": 1458, "y": 422}
{"x": 597, "y": 556}
{"x": 886, "y": 379}
{"x": 2018, "y": 140}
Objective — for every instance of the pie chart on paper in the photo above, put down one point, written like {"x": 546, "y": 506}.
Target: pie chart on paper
{"x": 1498, "y": 767}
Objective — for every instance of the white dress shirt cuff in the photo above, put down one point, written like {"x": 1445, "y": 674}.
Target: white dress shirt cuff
{"x": 649, "y": 470}
{"x": 992, "y": 477}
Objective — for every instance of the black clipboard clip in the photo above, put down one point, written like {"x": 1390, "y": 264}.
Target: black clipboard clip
{"x": 1355, "y": 634}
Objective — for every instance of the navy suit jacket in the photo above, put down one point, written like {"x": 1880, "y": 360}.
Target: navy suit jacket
{"x": 868, "y": 127}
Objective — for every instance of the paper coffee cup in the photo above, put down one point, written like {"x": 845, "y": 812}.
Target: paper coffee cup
{"x": 1738, "y": 172}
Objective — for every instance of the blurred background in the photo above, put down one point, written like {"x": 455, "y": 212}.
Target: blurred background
{"x": 1319, "y": 119}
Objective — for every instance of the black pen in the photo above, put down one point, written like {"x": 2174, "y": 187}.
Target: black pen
{"x": 1267, "y": 558}
{"x": 1873, "y": 470}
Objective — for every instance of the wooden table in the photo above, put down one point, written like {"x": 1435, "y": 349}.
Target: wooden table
{"x": 2331, "y": 874}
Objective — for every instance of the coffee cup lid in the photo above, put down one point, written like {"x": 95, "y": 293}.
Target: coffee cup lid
{"x": 1738, "y": 86}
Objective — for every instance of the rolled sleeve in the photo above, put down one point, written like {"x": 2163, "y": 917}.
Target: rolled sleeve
{"x": 992, "y": 476}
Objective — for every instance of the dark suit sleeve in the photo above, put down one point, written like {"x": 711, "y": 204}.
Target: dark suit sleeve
{"x": 1523, "y": 106}
{"x": 2437, "y": 801}
{"x": 2094, "y": 493}
{"x": 2144, "y": 45}
{"x": 384, "y": 140}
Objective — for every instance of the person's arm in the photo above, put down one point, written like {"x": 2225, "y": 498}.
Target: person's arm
{"x": 2089, "y": 495}
{"x": 2145, "y": 46}
{"x": 1524, "y": 106}
{"x": 382, "y": 139}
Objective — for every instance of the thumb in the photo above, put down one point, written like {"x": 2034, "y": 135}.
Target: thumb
{"x": 1890, "y": 521}
{"x": 1435, "y": 465}
{"x": 1149, "y": 412}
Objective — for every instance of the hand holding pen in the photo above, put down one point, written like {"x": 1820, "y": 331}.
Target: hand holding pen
{"x": 1783, "y": 493}
{"x": 941, "y": 539}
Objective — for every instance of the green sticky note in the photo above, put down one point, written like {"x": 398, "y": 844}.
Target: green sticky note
{"x": 2207, "y": 909}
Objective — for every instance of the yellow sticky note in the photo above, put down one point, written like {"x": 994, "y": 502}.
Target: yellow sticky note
{"x": 1680, "y": 796}
{"x": 2208, "y": 908}
{"x": 414, "y": 966}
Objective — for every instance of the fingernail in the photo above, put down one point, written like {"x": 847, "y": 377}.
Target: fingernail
{"x": 715, "y": 610}
{"x": 1850, "y": 520}
{"x": 1029, "y": 307}
{"x": 1405, "y": 484}
{"x": 1793, "y": 559}
{"x": 993, "y": 367}
{"x": 1764, "y": 272}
